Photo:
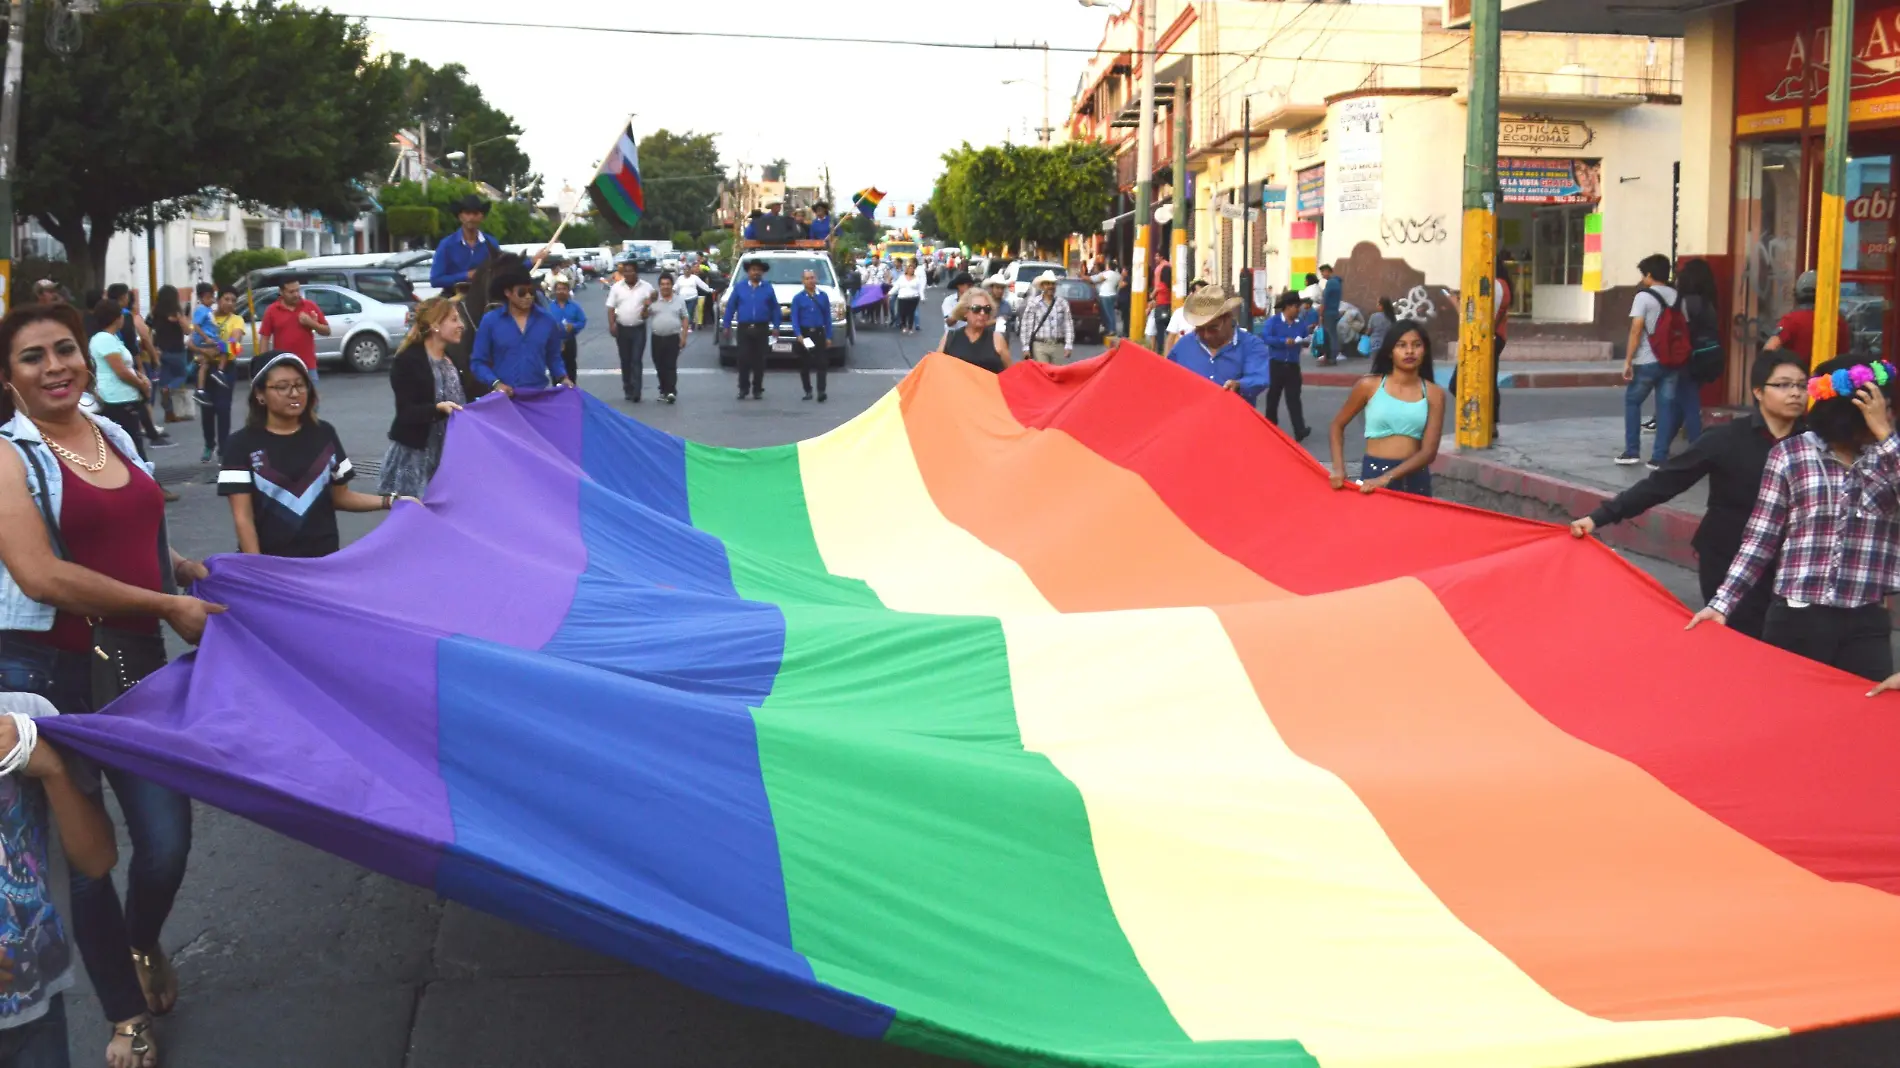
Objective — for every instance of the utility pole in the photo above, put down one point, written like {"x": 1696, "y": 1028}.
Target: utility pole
{"x": 10, "y": 140}
{"x": 1827, "y": 299}
{"x": 1047, "y": 129}
{"x": 1477, "y": 359}
{"x": 1246, "y": 179}
{"x": 422, "y": 154}
{"x": 1179, "y": 258}
{"x": 1145, "y": 179}
{"x": 151, "y": 256}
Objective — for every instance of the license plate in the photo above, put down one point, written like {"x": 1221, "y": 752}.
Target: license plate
{"x": 781, "y": 346}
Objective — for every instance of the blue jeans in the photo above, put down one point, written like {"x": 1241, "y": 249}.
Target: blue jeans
{"x": 40, "y": 1044}
{"x": 157, "y": 819}
{"x": 1648, "y": 378}
{"x": 1109, "y": 326}
{"x": 1685, "y": 414}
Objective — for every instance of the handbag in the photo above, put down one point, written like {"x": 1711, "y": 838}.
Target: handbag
{"x": 121, "y": 659}
{"x": 182, "y": 406}
{"x": 1365, "y": 344}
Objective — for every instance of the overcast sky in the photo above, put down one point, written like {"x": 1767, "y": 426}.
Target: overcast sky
{"x": 877, "y": 115}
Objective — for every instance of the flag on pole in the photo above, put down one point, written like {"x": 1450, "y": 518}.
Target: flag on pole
{"x": 867, "y": 200}
{"x": 617, "y": 187}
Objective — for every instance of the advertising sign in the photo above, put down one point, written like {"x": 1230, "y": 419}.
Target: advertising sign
{"x": 1550, "y": 181}
{"x": 1310, "y": 202}
{"x": 1781, "y": 64}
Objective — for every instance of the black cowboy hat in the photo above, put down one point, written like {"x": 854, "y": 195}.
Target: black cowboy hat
{"x": 470, "y": 202}
{"x": 507, "y": 279}
{"x": 755, "y": 262}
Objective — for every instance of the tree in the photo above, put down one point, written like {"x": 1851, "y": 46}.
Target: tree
{"x": 459, "y": 119}
{"x": 774, "y": 171}
{"x": 279, "y": 106}
{"x": 927, "y": 221}
{"x": 416, "y": 222}
{"x": 582, "y": 232}
{"x": 512, "y": 222}
{"x": 1011, "y": 193}
{"x": 681, "y": 176}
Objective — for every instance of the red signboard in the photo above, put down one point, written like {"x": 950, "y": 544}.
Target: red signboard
{"x": 1781, "y": 63}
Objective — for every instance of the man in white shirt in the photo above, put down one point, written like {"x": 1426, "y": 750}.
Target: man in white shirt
{"x": 1108, "y": 285}
{"x": 627, "y": 322}
{"x": 1177, "y": 326}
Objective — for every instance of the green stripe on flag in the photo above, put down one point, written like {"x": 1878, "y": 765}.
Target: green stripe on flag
{"x": 930, "y": 862}
{"x": 754, "y": 501}
{"x": 616, "y": 199}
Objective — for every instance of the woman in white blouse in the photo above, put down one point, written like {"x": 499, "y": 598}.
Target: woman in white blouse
{"x": 910, "y": 293}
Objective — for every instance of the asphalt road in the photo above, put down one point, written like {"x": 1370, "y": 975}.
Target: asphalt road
{"x": 291, "y": 958}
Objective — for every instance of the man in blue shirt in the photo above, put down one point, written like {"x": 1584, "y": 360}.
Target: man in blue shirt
{"x": 1284, "y": 335}
{"x": 567, "y": 312}
{"x": 1216, "y": 350}
{"x": 518, "y": 344}
{"x": 754, "y": 303}
{"x": 822, "y": 225}
{"x": 1330, "y": 288}
{"x": 811, "y": 319}
{"x": 459, "y": 253}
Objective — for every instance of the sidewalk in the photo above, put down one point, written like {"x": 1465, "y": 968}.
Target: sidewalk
{"x": 1515, "y": 374}
{"x": 1560, "y": 469}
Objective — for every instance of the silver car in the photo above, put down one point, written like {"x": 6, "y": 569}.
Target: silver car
{"x": 363, "y": 330}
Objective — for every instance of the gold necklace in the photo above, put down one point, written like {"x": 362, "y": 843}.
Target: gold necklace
{"x": 72, "y": 457}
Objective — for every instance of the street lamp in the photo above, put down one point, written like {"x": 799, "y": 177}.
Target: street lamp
{"x": 1045, "y": 130}
{"x": 470, "y": 153}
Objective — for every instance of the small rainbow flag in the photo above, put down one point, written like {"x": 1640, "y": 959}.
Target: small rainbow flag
{"x": 867, "y": 200}
{"x": 617, "y": 189}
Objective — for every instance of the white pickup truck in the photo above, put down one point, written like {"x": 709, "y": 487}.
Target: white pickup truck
{"x": 785, "y": 273}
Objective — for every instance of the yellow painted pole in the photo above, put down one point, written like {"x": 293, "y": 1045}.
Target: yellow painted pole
{"x": 1477, "y": 358}
{"x": 1833, "y": 222}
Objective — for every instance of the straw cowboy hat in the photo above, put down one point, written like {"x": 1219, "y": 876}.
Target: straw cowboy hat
{"x": 1209, "y": 304}
{"x": 1046, "y": 280}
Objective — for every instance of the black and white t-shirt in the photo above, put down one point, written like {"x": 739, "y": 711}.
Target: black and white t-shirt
{"x": 288, "y": 477}
{"x": 34, "y": 884}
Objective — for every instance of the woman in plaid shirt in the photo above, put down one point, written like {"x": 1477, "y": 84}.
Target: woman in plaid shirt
{"x": 1827, "y": 508}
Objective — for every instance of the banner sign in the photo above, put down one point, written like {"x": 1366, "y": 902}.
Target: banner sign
{"x": 1781, "y": 61}
{"x": 1550, "y": 181}
{"x": 1310, "y": 202}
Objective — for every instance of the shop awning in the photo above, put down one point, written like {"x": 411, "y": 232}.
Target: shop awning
{"x": 1650, "y": 18}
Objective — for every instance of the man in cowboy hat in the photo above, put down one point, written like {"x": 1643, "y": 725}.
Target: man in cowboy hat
{"x": 459, "y": 253}
{"x": 822, "y": 226}
{"x": 518, "y": 344}
{"x": 754, "y": 303}
{"x": 1230, "y": 358}
{"x": 1047, "y": 327}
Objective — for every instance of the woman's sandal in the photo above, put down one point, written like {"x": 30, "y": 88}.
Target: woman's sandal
{"x": 139, "y": 1031}
{"x": 157, "y": 979}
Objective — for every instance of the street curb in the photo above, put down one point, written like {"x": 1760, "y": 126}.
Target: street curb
{"x": 1662, "y": 533}
{"x": 1508, "y": 380}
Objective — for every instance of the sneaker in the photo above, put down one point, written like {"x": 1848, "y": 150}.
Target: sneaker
{"x": 1303, "y": 433}
{"x": 1653, "y": 465}
{"x": 821, "y": 398}
{"x": 743, "y": 395}
{"x": 206, "y": 458}
{"x": 670, "y": 398}
{"x": 1649, "y": 424}
{"x": 160, "y": 443}
{"x": 1629, "y": 458}
{"x": 807, "y": 395}
{"x": 758, "y": 394}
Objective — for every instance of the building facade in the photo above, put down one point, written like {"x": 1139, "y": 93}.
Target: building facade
{"x": 1334, "y": 133}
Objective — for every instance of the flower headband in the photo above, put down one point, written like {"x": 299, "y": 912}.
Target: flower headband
{"x": 1844, "y": 382}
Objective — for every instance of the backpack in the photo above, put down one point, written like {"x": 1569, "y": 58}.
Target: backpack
{"x": 1669, "y": 341}
{"x": 1707, "y": 361}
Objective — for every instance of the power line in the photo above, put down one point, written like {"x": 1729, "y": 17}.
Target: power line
{"x": 998, "y": 46}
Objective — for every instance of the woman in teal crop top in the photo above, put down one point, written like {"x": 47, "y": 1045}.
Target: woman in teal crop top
{"x": 1405, "y": 413}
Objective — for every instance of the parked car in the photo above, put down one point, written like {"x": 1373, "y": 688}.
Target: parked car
{"x": 1022, "y": 274}
{"x": 380, "y": 283}
{"x": 363, "y": 330}
{"x": 1083, "y": 307}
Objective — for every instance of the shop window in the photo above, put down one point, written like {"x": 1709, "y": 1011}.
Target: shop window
{"x": 1557, "y": 245}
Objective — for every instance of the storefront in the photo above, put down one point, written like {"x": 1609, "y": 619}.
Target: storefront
{"x": 1780, "y": 86}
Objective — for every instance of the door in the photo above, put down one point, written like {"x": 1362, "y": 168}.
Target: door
{"x": 1871, "y": 247}
{"x": 341, "y": 311}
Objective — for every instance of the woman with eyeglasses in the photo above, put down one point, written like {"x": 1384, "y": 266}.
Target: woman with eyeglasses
{"x": 1731, "y": 456}
{"x": 274, "y": 462}
{"x": 977, "y": 341}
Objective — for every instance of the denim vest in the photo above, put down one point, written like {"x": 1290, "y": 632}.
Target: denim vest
{"x": 17, "y": 610}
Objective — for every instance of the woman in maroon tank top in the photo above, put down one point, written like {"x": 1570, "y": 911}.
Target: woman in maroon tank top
{"x": 109, "y": 513}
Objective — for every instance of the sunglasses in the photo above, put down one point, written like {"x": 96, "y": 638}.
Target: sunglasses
{"x": 981, "y": 309}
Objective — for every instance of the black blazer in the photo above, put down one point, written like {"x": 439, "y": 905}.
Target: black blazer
{"x": 413, "y": 383}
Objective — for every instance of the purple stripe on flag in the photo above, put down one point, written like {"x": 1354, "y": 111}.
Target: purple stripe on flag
{"x": 280, "y": 717}
{"x": 868, "y": 296}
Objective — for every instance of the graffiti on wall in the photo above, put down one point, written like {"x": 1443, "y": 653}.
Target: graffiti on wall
{"x": 1403, "y": 230}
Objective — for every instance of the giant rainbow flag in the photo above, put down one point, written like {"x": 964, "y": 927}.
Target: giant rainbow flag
{"x": 1065, "y": 717}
